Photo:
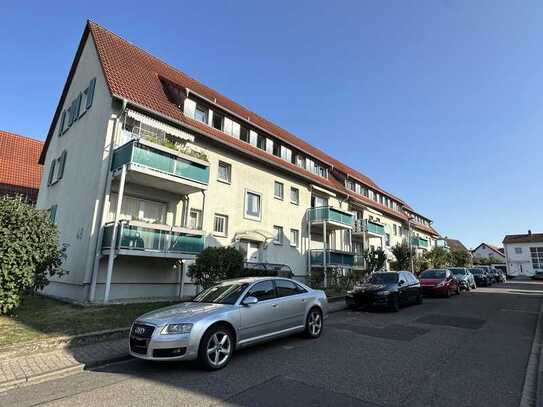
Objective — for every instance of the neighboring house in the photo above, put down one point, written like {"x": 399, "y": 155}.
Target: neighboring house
{"x": 456, "y": 245}
{"x": 20, "y": 172}
{"x": 488, "y": 252}
{"x": 145, "y": 167}
{"x": 524, "y": 253}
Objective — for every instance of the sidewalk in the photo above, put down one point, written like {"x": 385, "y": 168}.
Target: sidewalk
{"x": 38, "y": 367}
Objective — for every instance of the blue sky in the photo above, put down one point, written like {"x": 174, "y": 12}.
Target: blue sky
{"x": 439, "y": 102}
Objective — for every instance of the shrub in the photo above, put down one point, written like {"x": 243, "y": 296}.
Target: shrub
{"x": 29, "y": 251}
{"x": 215, "y": 264}
{"x": 402, "y": 254}
{"x": 374, "y": 259}
{"x": 460, "y": 258}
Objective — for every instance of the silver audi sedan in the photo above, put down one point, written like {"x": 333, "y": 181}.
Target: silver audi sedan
{"x": 229, "y": 316}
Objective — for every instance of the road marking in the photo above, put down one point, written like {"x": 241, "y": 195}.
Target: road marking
{"x": 529, "y": 389}
{"x": 519, "y": 310}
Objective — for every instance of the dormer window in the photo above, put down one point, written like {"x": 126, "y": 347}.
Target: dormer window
{"x": 218, "y": 121}
{"x": 201, "y": 114}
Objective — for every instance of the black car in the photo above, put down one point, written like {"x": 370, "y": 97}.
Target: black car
{"x": 481, "y": 276}
{"x": 387, "y": 289}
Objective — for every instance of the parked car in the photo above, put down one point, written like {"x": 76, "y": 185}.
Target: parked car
{"x": 501, "y": 276}
{"x": 439, "y": 282}
{"x": 538, "y": 275}
{"x": 493, "y": 278}
{"x": 226, "y": 317}
{"x": 481, "y": 276}
{"x": 387, "y": 289}
{"x": 464, "y": 277}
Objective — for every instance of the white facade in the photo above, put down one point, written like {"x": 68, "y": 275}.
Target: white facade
{"x": 524, "y": 258}
{"x": 483, "y": 251}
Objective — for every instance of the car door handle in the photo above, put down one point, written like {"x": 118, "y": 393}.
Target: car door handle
{"x": 275, "y": 305}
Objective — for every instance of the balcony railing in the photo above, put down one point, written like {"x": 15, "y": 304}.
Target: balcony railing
{"x": 145, "y": 154}
{"x": 358, "y": 261}
{"x": 330, "y": 214}
{"x": 419, "y": 242}
{"x": 153, "y": 240}
{"x": 366, "y": 225}
{"x": 334, "y": 258}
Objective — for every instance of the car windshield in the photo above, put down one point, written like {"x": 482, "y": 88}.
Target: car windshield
{"x": 457, "y": 271}
{"x": 226, "y": 293}
{"x": 476, "y": 271}
{"x": 433, "y": 274}
{"x": 383, "y": 278}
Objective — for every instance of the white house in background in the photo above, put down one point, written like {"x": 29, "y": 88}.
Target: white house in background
{"x": 524, "y": 253}
{"x": 488, "y": 251}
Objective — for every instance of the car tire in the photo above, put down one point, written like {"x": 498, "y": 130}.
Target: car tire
{"x": 395, "y": 303}
{"x": 215, "y": 351}
{"x": 314, "y": 323}
{"x": 458, "y": 290}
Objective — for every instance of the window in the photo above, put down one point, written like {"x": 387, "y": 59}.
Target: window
{"x": 52, "y": 211}
{"x": 537, "y": 257}
{"x": 350, "y": 185}
{"x": 395, "y": 228}
{"x": 201, "y": 113}
{"x": 225, "y": 172}
{"x": 262, "y": 291}
{"x": 518, "y": 250}
{"x": 244, "y": 134}
{"x": 294, "y": 196}
{"x": 317, "y": 201}
{"x": 261, "y": 142}
{"x": 56, "y": 170}
{"x": 286, "y": 288}
{"x": 218, "y": 120}
{"x": 278, "y": 234}
{"x": 294, "y": 237}
{"x": 252, "y": 205}
{"x": 276, "y": 149}
{"x": 278, "y": 190}
{"x": 220, "y": 225}
{"x": 195, "y": 219}
{"x": 387, "y": 239}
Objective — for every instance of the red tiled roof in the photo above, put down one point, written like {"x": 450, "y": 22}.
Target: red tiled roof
{"x": 20, "y": 172}
{"x": 527, "y": 238}
{"x": 135, "y": 75}
{"x": 491, "y": 247}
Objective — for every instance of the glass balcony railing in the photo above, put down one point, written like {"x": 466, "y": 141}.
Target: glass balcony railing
{"x": 358, "y": 261}
{"x": 151, "y": 239}
{"x": 145, "y": 155}
{"x": 420, "y": 242}
{"x": 366, "y": 225}
{"x": 329, "y": 214}
{"x": 333, "y": 258}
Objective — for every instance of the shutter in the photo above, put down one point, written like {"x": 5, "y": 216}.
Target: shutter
{"x": 227, "y": 125}
{"x": 53, "y": 213}
{"x": 235, "y": 130}
{"x": 90, "y": 94}
{"x": 269, "y": 146}
{"x": 210, "y": 118}
{"x": 189, "y": 108}
{"x": 62, "y": 163}
{"x": 77, "y": 106}
{"x": 52, "y": 172}
{"x": 253, "y": 137}
{"x": 62, "y": 122}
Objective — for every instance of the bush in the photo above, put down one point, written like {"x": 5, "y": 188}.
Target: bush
{"x": 403, "y": 258}
{"x": 215, "y": 264}
{"x": 29, "y": 251}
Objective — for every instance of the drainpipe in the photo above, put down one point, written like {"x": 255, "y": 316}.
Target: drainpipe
{"x": 97, "y": 250}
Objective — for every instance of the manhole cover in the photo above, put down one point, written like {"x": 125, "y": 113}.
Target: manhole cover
{"x": 285, "y": 392}
{"x": 395, "y": 332}
{"x": 450, "y": 320}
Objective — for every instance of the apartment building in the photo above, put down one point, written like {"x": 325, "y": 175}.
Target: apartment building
{"x": 20, "y": 172}
{"x": 524, "y": 254}
{"x": 145, "y": 166}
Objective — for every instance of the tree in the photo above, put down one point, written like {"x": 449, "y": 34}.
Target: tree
{"x": 29, "y": 251}
{"x": 460, "y": 258}
{"x": 403, "y": 257}
{"x": 375, "y": 259}
{"x": 438, "y": 257}
{"x": 215, "y": 264}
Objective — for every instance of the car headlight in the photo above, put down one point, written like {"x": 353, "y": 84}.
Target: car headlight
{"x": 442, "y": 284}
{"x": 173, "y": 329}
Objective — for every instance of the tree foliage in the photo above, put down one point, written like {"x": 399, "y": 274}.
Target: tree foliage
{"x": 438, "y": 257}
{"x": 460, "y": 258}
{"x": 215, "y": 264}
{"x": 403, "y": 259}
{"x": 375, "y": 259}
{"x": 29, "y": 251}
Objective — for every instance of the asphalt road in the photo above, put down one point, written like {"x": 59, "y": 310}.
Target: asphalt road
{"x": 470, "y": 350}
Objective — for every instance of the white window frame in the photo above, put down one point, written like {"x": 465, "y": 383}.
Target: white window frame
{"x": 229, "y": 166}
{"x": 278, "y": 235}
{"x": 224, "y": 233}
{"x": 297, "y": 201}
{"x": 282, "y": 196}
{"x": 198, "y": 213}
{"x": 246, "y": 201}
{"x": 297, "y": 240}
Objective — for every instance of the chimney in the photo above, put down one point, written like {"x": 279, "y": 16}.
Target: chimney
{"x": 529, "y": 232}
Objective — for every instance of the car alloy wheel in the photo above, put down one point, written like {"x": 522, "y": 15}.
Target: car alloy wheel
{"x": 218, "y": 349}
{"x": 314, "y": 323}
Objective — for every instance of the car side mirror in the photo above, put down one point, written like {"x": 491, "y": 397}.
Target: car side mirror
{"x": 401, "y": 282}
{"x": 249, "y": 300}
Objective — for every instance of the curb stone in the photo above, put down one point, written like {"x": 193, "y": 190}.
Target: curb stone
{"x": 532, "y": 390}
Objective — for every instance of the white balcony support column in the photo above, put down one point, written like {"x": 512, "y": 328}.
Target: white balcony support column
{"x": 309, "y": 243}
{"x": 203, "y": 210}
{"x": 180, "y": 264}
{"x": 113, "y": 248}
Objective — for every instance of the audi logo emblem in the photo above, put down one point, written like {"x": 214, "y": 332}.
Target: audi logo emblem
{"x": 139, "y": 330}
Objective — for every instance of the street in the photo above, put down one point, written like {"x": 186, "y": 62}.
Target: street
{"x": 469, "y": 350}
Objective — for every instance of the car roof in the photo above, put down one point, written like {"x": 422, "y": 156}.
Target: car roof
{"x": 253, "y": 279}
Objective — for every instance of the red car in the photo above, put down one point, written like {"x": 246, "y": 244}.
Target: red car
{"x": 439, "y": 282}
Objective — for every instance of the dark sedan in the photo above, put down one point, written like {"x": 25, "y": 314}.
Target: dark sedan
{"x": 481, "y": 276}
{"x": 387, "y": 289}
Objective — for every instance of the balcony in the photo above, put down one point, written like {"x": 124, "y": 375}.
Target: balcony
{"x": 334, "y": 258}
{"x": 149, "y": 240}
{"x": 366, "y": 225}
{"x": 332, "y": 215}
{"x": 358, "y": 261}
{"x": 157, "y": 166}
{"x": 419, "y": 242}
